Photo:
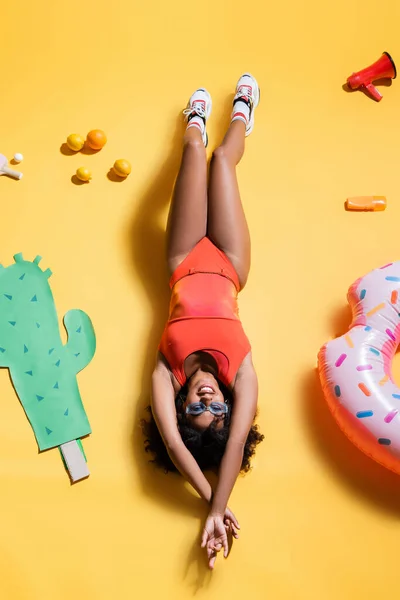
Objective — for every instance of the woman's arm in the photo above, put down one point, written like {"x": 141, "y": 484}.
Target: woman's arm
{"x": 245, "y": 394}
{"x": 163, "y": 408}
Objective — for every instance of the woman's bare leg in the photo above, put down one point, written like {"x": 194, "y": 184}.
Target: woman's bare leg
{"x": 187, "y": 221}
{"x": 227, "y": 226}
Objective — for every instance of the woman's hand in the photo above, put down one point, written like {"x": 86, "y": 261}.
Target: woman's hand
{"x": 231, "y": 523}
{"x": 215, "y": 534}
{"x": 214, "y": 537}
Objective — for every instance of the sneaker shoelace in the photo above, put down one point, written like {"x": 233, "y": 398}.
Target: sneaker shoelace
{"x": 198, "y": 107}
{"x": 245, "y": 92}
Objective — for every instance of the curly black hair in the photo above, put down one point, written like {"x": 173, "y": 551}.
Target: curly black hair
{"x": 207, "y": 447}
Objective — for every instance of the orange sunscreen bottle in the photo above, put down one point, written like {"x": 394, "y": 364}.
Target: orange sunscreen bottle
{"x": 372, "y": 203}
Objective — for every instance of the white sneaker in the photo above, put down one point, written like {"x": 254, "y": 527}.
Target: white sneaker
{"x": 248, "y": 92}
{"x": 198, "y": 110}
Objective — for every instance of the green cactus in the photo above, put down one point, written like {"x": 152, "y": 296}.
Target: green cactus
{"x": 42, "y": 369}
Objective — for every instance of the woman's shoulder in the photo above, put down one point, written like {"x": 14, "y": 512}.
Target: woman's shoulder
{"x": 246, "y": 365}
{"x": 247, "y": 361}
{"x": 162, "y": 366}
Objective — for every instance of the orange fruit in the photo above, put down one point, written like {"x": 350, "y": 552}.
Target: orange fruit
{"x": 83, "y": 174}
{"x": 75, "y": 142}
{"x": 96, "y": 139}
{"x": 122, "y": 167}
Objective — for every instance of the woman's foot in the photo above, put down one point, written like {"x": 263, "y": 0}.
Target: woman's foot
{"x": 198, "y": 110}
{"x": 246, "y": 101}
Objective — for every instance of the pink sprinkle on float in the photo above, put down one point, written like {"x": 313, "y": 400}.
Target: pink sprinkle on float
{"x": 364, "y": 367}
{"x": 390, "y": 416}
{"x": 385, "y": 266}
{"x": 340, "y": 360}
{"x": 390, "y": 334}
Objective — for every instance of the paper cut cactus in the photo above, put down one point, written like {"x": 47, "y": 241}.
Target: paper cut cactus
{"x": 42, "y": 369}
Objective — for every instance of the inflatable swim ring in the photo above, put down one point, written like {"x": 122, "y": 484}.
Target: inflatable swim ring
{"x": 356, "y": 368}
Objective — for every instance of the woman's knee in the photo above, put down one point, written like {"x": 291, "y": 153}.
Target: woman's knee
{"x": 226, "y": 154}
{"x": 193, "y": 143}
{"x": 222, "y": 153}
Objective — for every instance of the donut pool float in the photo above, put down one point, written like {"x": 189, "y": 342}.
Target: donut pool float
{"x": 356, "y": 368}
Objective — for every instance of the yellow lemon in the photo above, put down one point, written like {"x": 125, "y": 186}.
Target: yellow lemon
{"x": 122, "y": 167}
{"x": 75, "y": 142}
{"x": 83, "y": 174}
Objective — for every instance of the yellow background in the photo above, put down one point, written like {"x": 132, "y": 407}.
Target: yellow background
{"x": 319, "y": 520}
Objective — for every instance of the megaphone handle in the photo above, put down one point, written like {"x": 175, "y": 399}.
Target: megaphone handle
{"x": 373, "y": 91}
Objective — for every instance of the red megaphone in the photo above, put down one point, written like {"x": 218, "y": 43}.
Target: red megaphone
{"x": 384, "y": 68}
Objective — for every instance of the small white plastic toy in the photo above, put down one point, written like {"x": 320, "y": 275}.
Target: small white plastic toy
{"x": 5, "y": 170}
{"x": 18, "y": 157}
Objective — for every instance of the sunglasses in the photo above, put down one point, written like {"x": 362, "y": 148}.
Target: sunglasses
{"x": 215, "y": 408}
